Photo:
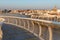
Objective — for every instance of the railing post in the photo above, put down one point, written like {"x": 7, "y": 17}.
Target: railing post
{"x": 32, "y": 26}
{"x": 28, "y": 24}
{"x": 20, "y": 22}
{"x": 50, "y": 32}
{"x": 24, "y": 25}
{"x": 16, "y": 22}
{"x": 40, "y": 31}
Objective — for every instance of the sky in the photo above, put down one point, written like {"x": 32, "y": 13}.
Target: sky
{"x": 29, "y": 4}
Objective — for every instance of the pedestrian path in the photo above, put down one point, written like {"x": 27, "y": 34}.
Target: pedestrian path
{"x": 11, "y": 32}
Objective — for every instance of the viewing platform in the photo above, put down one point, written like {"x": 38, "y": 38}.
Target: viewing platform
{"x": 43, "y": 29}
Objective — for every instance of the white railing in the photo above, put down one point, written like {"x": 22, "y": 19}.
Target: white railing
{"x": 55, "y": 18}
{"x": 39, "y": 28}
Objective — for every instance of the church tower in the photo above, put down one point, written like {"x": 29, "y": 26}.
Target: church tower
{"x": 54, "y": 9}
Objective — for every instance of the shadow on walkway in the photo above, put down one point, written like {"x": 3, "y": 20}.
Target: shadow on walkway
{"x": 11, "y": 32}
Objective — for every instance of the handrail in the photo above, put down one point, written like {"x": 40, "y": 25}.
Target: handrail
{"x": 40, "y": 20}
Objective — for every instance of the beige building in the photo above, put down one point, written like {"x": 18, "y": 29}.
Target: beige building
{"x": 14, "y": 11}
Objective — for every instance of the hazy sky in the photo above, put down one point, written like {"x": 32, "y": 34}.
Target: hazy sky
{"x": 29, "y": 4}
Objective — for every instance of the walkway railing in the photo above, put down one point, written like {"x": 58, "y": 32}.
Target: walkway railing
{"x": 40, "y": 28}
{"x": 55, "y": 18}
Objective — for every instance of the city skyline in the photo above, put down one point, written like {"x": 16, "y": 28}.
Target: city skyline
{"x": 29, "y": 4}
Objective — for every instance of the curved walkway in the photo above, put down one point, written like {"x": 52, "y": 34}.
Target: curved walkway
{"x": 11, "y": 32}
